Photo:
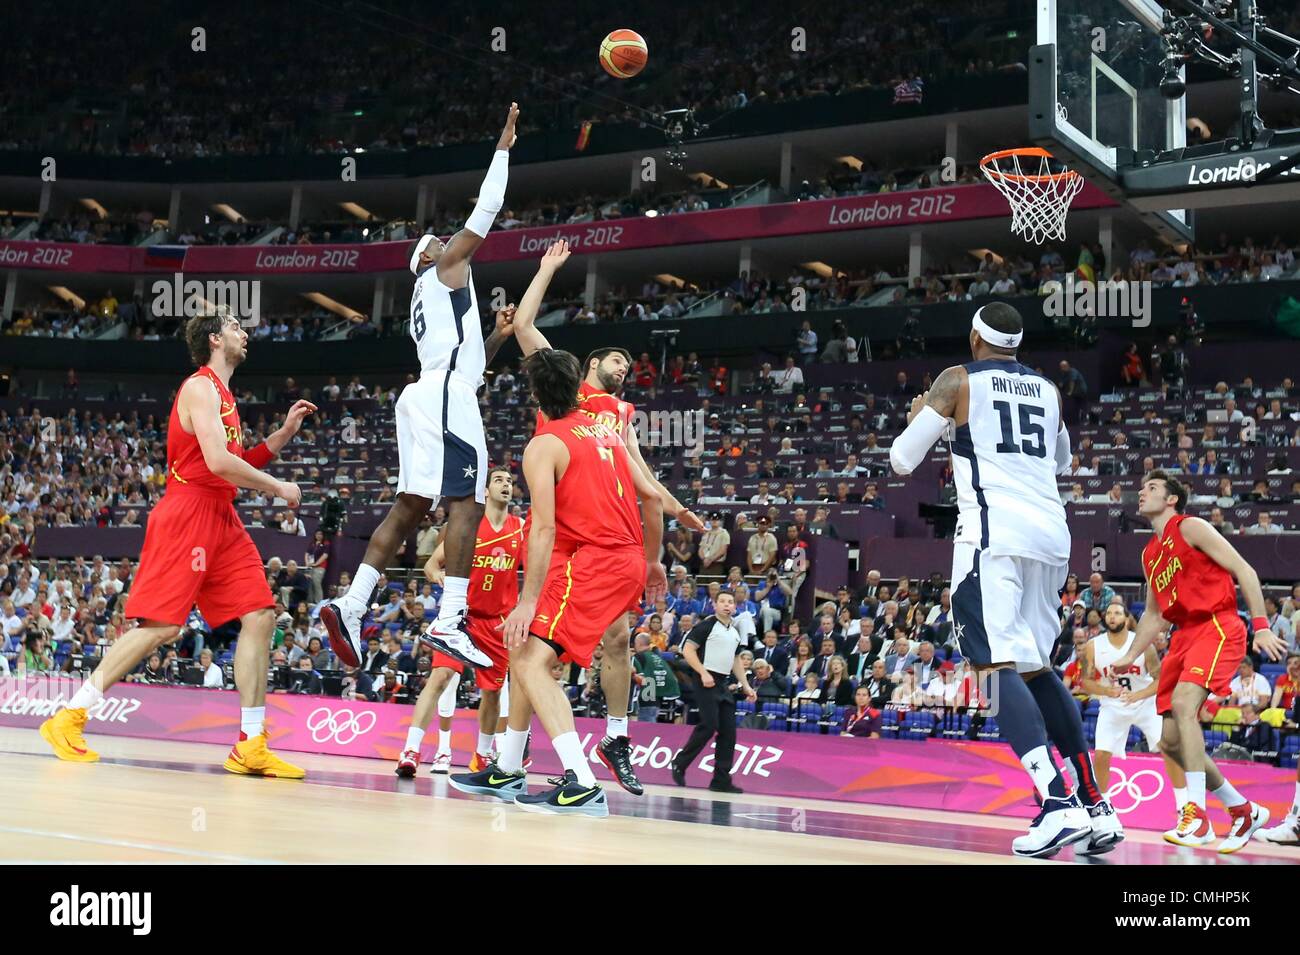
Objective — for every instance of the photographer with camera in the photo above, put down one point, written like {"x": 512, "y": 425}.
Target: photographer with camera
{"x": 773, "y": 595}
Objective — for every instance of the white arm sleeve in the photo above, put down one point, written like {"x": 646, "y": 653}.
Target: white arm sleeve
{"x": 491, "y": 195}
{"x": 1063, "y": 454}
{"x": 910, "y": 448}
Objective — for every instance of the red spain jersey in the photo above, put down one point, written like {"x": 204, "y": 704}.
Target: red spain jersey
{"x": 1189, "y": 587}
{"x": 498, "y": 556}
{"x": 595, "y": 500}
{"x": 185, "y": 464}
{"x": 601, "y": 406}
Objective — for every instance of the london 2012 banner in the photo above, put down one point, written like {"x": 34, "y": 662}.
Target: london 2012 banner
{"x": 979, "y": 777}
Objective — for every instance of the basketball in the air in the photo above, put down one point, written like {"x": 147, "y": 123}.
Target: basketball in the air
{"x": 623, "y": 54}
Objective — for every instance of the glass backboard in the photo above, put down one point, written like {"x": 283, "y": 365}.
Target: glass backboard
{"x": 1098, "y": 101}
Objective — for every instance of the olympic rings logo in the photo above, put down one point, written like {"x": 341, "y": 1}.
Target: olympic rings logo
{"x": 342, "y": 726}
{"x": 1130, "y": 787}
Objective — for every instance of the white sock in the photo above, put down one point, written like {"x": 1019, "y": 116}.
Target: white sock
{"x": 1229, "y": 796}
{"x": 484, "y": 743}
{"x": 89, "y": 695}
{"x": 251, "y": 719}
{"x": 1196, "y": 788}
{"x": 363, "y": 585}
{"x": 500, "y": 740}
{"x": 414, "y": 738}
{"x": 444, "y": 742}
{"x": 569, "y": 748}
{"x": 1180, "y": 798}
{"x": 1044, "y": 774}
{"x": 454, "y": 590}
{"x": 615, "y": 726}
{"x": 510, "y": 754}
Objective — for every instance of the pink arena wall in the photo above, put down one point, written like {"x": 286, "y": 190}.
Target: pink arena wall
{"x": 950, "y": 775}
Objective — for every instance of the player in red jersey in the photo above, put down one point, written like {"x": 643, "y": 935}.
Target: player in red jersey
{"x": 605, "y": 371}
{"x": 584, "y": 494}
{"x": 196, "y": 550}
{"x": 493, "y": 593}
{"x": 1189, "y": 569}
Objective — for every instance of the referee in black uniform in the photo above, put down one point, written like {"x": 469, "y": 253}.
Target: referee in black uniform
{"x": 712, "y": 649}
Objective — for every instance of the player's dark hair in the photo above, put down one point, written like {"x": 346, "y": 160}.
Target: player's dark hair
{"x": 553, "y": 377}
{"x": 1173, "y": 488}
{"x": 1005, "y": 318}
{"x": 504, "y": 470}
{"x": 197, "y": 330}
{"x": 600, "y": 354}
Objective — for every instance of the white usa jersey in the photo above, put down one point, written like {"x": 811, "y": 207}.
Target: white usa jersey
{"x": 1104, "y": 655}
{"x": 1004, "y": 465}
{"x": 445, "y": 327}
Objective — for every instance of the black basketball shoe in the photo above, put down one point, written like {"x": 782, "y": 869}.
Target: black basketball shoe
{"x": 616, "y": 753}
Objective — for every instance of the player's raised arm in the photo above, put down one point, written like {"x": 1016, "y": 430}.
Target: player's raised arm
{"x": 543, "y": 454}
{"x": 1210, "y": 542}
{"x": 1150, "y": 625}
{"x": 491, "y": 198}
{"x": 200, "y": 402}
{"x": 525, "y": 317}
{"x": 927, "y": 420}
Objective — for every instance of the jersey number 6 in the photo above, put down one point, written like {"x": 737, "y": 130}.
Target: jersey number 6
{"x": 417, "y": 321}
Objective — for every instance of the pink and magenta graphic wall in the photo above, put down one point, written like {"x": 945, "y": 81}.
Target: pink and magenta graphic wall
{"x": 949, "y": 775}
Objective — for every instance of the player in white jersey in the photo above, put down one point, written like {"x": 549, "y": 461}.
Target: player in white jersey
{"x": 1010, "y": 560}
{"x": 442, "y": 451}
{"x": 1128, "y": 699}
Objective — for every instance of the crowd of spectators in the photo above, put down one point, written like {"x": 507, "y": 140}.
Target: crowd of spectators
{"x": 400, "y": 78}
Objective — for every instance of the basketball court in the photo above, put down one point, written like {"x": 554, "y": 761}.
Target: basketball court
{"x": 160, "y": 801}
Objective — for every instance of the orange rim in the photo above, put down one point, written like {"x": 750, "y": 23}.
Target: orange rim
{"x": 988, "y": 164}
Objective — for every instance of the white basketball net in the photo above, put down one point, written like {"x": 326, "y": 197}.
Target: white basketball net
{"x": 1040, "y": 191}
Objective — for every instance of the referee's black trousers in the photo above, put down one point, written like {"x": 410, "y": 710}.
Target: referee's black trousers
{"x": 717, "y": 715}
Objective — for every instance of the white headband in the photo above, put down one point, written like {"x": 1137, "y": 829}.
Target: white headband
{"x": 425, "y": 241}
{"x": 993, "y": 336}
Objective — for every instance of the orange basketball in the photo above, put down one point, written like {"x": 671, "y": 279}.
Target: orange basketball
{"x": 623, "y": 54}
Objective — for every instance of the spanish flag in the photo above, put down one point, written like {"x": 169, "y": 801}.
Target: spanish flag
{"x": 584, "y": 136}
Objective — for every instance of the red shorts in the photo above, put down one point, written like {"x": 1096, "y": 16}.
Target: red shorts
{"x": 483, "y": 631}
{"x": 196, "y": 551}
{"x": 584, "y": 594}
{"x": 1206, "y": 653}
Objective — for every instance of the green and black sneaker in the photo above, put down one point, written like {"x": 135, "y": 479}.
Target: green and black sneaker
{"x": 493, "y": 781}
{"x": 567, "y": 798}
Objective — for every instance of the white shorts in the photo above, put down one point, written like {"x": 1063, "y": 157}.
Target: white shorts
{"x": 1115, "y": 720}
{"x": 441, "y": 448}
{"x": 1004, "y": 609}
{"x": 447, "y": 702}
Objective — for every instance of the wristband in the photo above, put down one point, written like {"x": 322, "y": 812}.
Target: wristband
{"x": 1259, "y": 623}
{"x": 260, "y": 456}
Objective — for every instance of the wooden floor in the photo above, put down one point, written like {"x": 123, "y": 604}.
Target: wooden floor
{"x": 160, "y": 801}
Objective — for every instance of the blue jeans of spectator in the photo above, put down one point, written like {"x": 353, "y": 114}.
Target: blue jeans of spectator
{"x": 648, "y": 713}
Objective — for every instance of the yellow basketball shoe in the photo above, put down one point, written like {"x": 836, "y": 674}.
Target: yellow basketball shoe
{"x": 250, "y": 757}
{"x": 63, "y": 732}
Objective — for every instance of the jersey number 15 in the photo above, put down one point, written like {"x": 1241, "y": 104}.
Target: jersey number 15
{"x": 1034, "y": 443}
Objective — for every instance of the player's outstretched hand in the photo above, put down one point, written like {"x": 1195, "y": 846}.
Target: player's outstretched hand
{"x": 434, "y": 575}
{"x": 301, "y": 409}
{"x": 291, "y": 493}
{"x": 690, "y": 520}
{"x": 656, "y": 581}
{"x": 557, "y": 253}
{"x": 505, "y": 321}
{"x": 508, "y": 131}
{"x": 517, "y": 624}
{"x": 1270, "y": 644}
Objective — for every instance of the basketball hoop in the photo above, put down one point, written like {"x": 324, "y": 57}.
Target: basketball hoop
{"x": 1039, "y": 188}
